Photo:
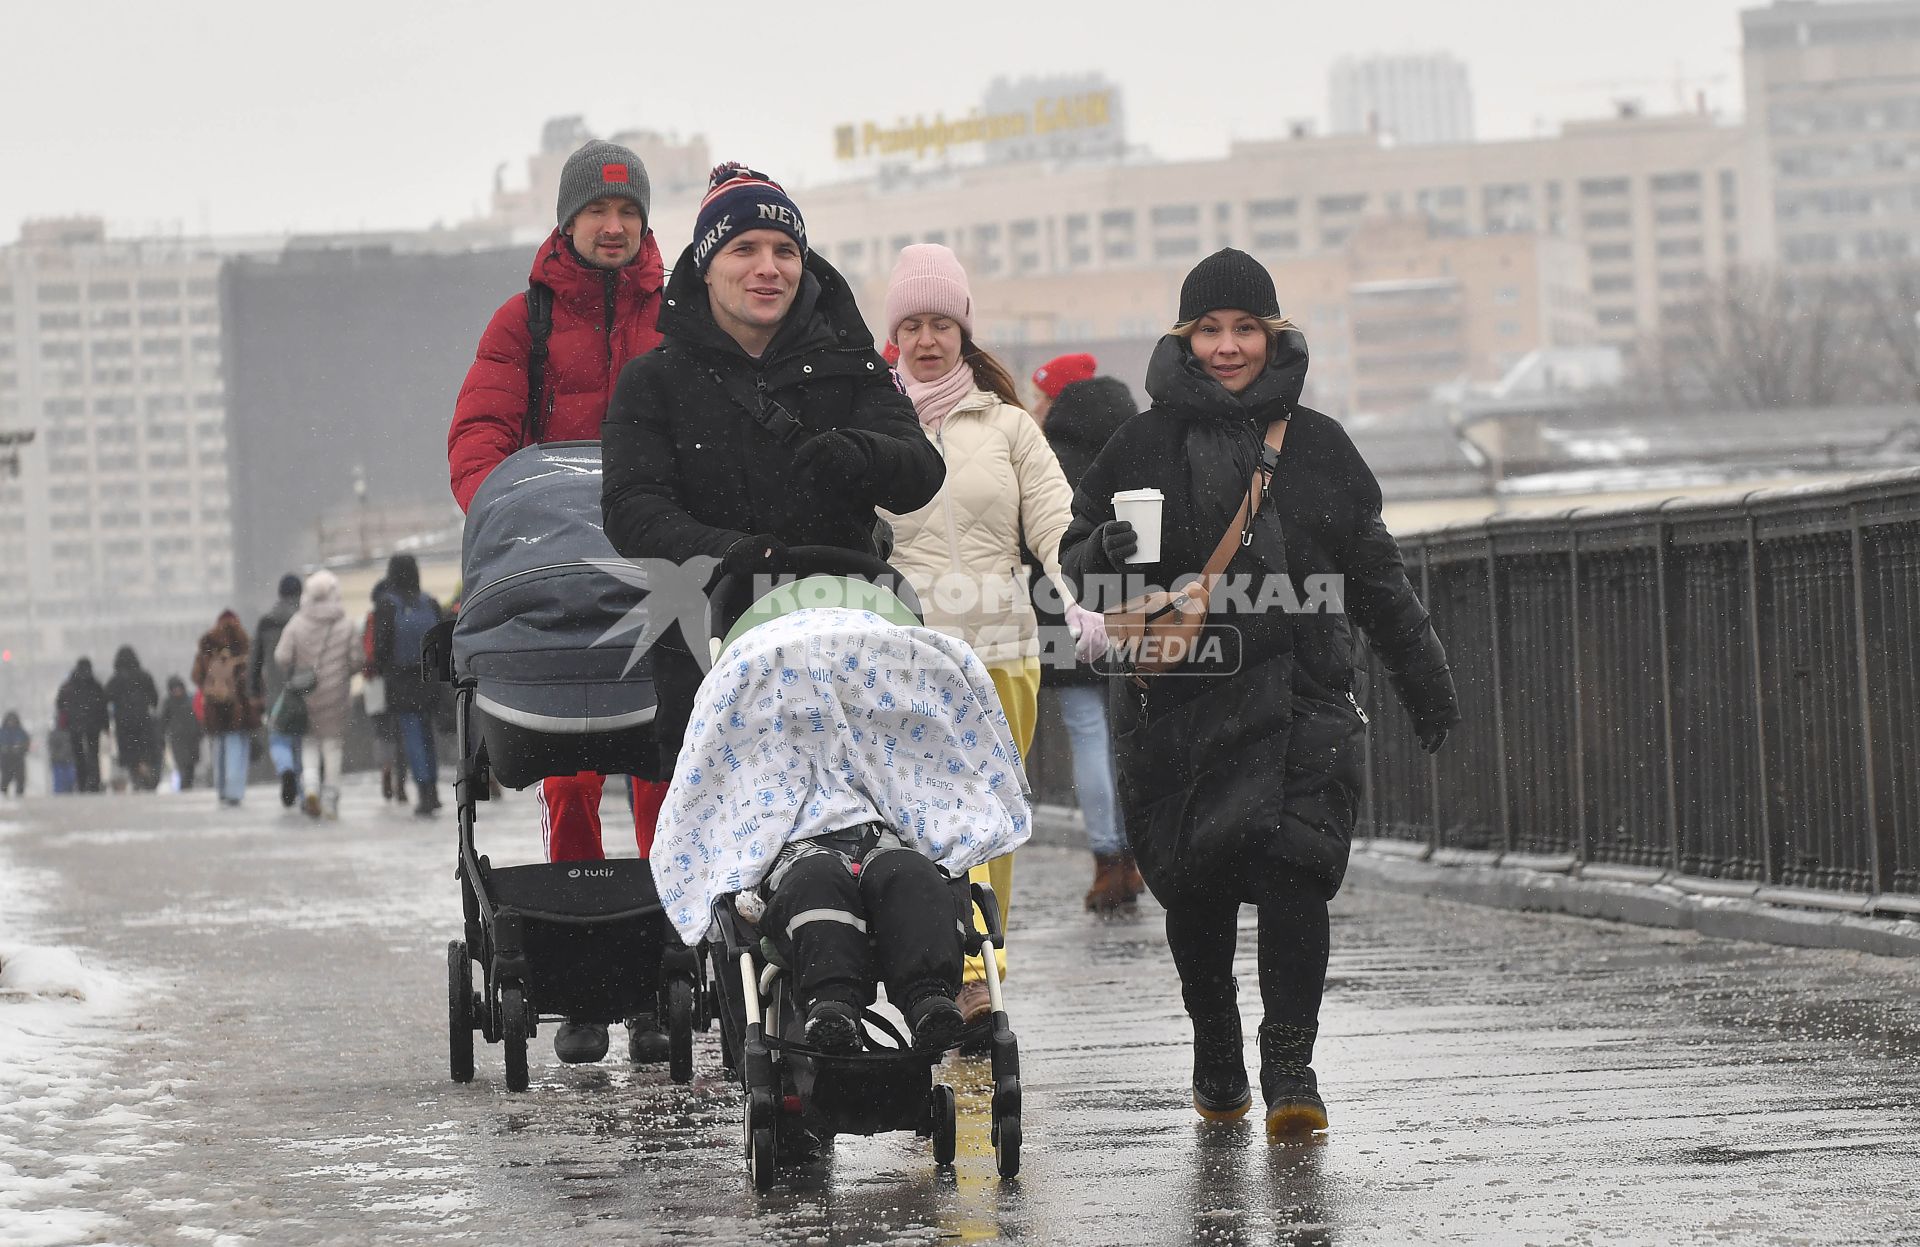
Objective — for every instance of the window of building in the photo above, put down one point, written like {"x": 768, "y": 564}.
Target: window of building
{"x": 1613, "y": 283}
{"x": 1077, "y": 223}
{"x": 1608, "y": 252}
{"x": 1603, "y": 188}
{"x": 159, "y": 315}
{"x": 1615, "y": 316}
{"x": 60, "y": 350}
{"x": 160, "y": 346}
{"x": 1276, "y": 240}
{"x": 107, "y": 290}
{"x": 1079, "y": 255}
{"x": 1028, "y": 228}
{"x": 1668, "y": 182}
{"x": 112, "y": 318}
{"x": 1338, "y": 205}
{"x": 1176, "y": 214}
{"x": 60, "y": 292}
{"x": 113, "y": 405}
{"x": 1271, "y": 209}
{"x": 203, "y": 286}
{"x": 1175, "y": 248}
{"x": 1117, "y": 218}
{"x": 207, "y": 314}
{"x": 1119, "y": 250}
{"x": 984, "y": 234}
{"x": 112, "y": 348}
{"x": 1331, "y": 238}
{"x": 1668, "y": 247}
{"x": 57, "y": 321}
{"x": 1686, "y": 279}
{"x": 160, "y": 288}
{"x": 1608, "y": 220}
{"x": 1687, "y": 214}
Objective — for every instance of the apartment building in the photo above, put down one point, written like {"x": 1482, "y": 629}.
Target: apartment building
{"x": 1414, "y": 98}
{"x": 117, "y": 528}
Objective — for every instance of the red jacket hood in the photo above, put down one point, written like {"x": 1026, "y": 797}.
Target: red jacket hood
{"x": 573, "y": 280}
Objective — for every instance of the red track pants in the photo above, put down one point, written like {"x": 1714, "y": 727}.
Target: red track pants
{"x": 570, "y": 815}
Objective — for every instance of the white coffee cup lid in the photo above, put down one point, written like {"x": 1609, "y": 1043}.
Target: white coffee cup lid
{"x": 1140, "y": 495}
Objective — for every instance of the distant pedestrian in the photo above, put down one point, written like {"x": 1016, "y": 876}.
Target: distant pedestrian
{"x": 181, "y": 729}
{"x": 1080, "y": 411}
{"x": 227, "y": 706}
{"x": 1240, "y": 775}
{"x": 387, "y": 754}
{"x": 316, "y": 650}
{"x": 61, "y": 774}
{"x": 1003, "y": 492}
{"x": 403, "y": 614}
{"x": 265, "y": 679}
{"x": 133, "y": 697}
{"x": 14, "y": 744}
{"x": 82, "y": 706}
{"x": 598, "y": 279}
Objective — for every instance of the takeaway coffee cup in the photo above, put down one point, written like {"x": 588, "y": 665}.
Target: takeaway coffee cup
{"x": 1141, "y": 508}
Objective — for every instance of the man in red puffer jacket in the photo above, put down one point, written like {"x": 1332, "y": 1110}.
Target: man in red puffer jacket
{"x": 596, "y": 283}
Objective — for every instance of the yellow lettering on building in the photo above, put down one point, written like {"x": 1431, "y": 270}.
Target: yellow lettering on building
{"x": 920, "y": 138}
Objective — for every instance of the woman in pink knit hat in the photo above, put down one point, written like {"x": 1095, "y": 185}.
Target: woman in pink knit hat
{"x": 1004, "y": 488}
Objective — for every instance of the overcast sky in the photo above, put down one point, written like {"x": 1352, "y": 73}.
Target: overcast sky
{"x": 233, "y": 117}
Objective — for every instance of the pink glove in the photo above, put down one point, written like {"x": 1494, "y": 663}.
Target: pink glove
{"x": 1089, "y": 633}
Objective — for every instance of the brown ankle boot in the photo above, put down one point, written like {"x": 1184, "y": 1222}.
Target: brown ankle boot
{"x": 1106, "y": 894}
{"x": 1131, "y": 884}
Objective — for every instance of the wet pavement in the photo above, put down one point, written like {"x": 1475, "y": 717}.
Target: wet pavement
{"x": 279, "y": 1074}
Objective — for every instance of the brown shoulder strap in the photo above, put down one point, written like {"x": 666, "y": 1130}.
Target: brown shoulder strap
{"x": 1250, "y": 505}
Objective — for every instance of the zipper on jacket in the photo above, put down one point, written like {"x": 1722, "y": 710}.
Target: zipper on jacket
{"x": 946, "y": 503}
{"x": 611, "y": 281}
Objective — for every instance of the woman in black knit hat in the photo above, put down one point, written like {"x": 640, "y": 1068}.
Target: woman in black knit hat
{"x": 1240, "y": 768}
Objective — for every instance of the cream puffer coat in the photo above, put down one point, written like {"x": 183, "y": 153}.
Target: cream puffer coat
{"x": 962, "y": 550}
{"x": 321, "y": 639}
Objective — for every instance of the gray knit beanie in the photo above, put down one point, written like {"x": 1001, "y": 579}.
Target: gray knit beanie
{"x": 601, "y": 170}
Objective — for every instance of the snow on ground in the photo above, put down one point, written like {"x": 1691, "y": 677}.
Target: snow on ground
{"x": 68, "y": 1113}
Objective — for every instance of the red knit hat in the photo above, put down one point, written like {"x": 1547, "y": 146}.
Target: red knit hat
{"x": 1057, "y": 374}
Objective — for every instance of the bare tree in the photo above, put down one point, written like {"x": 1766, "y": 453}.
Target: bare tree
{"x": 1758, "y": 339}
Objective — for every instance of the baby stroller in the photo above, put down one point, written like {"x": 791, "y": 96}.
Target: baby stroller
{"x": 798, "y": 1096}
{"x": 541, "y": 658}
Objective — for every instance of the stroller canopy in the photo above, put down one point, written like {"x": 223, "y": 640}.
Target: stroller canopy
{"x": 553, "y": 625}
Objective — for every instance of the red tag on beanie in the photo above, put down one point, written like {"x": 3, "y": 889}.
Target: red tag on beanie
{"x": 613, "y": 173}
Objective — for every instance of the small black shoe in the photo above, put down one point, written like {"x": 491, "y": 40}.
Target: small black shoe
{"x": 1220, "y": 1090}
{"x": 580, "y": 1043}
{"x": 936, "y": 1024}
{"x": 289, "y": 788}
{"x": 833, "y": 1026}
{"x": 646, "y": 1042}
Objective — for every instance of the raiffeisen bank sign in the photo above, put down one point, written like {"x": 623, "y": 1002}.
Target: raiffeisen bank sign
{"x": 1032, "y": 119}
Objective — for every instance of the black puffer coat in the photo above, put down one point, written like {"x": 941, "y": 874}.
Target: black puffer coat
{"x": 1079, "y": 425}
{"x": 691, "y": 465}
{"x": 690, "y": 470}
{"x": 1255, "y": 757}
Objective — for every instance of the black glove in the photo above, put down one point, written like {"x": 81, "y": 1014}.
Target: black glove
{"x": 762, "y": 555}
{"x": 1431, "y": 738}
{"x": 1115, "y": 542}
{"x": 835, "y": 460}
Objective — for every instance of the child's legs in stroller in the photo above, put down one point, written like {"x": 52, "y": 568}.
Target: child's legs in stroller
{"x": 570, "y": 815}
{"x": 818, "y": 925}
{"x": 915, "y": 927}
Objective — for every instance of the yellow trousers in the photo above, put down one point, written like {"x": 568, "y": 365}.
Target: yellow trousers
{"x": 1018, "y": 685}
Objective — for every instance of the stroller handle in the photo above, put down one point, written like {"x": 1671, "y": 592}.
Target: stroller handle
{"x": 733, "y": 595}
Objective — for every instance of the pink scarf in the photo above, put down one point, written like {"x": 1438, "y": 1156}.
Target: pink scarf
{"x": 935, "y": 400}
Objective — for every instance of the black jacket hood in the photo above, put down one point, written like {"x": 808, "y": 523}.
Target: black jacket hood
{"x": 823, "y": 316}
{"x": 1176, "y": 380}
{"x": 1088, "y": 413}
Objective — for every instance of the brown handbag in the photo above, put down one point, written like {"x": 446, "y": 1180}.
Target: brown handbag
{"x": 1156, "y": 632}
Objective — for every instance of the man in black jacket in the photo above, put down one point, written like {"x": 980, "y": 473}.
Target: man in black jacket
{"x": 765, "y": 419}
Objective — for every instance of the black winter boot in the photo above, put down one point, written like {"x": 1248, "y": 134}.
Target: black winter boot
{"x": 1287, "y": 1081}
{"x": 1220, "y": 1091}
{"x": 429, "y": 800}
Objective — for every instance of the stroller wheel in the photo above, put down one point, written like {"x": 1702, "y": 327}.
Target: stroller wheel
{"x": 1006, "y": 1145}
{"x": 945, "y": 1112}
{"x": 760, "y": 1127}
{"x": 513, "y": 1032}
{"x": 459, "y": 1012}
{"x": 680, "y": 1030}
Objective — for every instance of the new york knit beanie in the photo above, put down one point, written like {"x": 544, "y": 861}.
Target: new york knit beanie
{"x": 741, "y": 199}
{"x": 602, "y": 170}
{"x": 1228, "y": 279}
{"x": 928, "y": 281}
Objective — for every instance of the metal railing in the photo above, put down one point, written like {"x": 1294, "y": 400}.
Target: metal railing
{"x": 1724, "y": 696}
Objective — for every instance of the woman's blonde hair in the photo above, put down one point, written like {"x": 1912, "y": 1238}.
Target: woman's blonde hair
{"x": 1276, "y": 325}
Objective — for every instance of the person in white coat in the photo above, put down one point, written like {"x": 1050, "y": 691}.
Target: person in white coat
{"x": 1004, "y": 489}
{"x": 321, "y": 639}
